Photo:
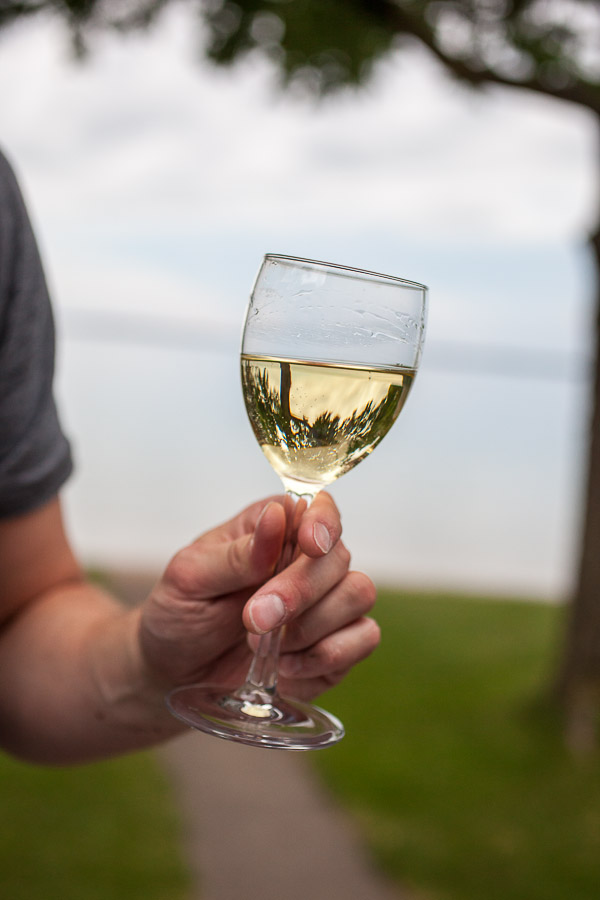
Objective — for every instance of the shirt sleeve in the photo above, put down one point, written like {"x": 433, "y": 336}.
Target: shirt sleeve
{"x": 35, "y": 457}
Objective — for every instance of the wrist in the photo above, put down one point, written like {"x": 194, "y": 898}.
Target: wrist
{"x": 126, "y": 696}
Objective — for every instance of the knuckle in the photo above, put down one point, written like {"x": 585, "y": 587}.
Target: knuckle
{"x": 362, "y": 588}
{"x": 334, "y": 678}
{"x": 181, "y": 572}
{"x": 298, "y": 594}
{"x": 343, "y": 554}
{"x": 236, "y": 557}
{"x": 298, "y": 634}
{"x": 372, "y": 634}
{"x": 332, "y": 656}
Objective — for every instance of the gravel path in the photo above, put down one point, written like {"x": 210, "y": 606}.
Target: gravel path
{"x": 258, "y": 823}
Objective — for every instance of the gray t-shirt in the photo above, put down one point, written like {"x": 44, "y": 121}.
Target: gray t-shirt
{"x": 35, "y": 458}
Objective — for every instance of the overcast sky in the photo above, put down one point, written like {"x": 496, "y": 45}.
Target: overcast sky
{"x": 156, "y": 183}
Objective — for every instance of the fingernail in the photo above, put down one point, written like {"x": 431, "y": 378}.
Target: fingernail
{"x": 261, "y": 514}
{"x": 266, "y": 612}
{"x": 322, "y": 537}
{"x": 258, "y": 521}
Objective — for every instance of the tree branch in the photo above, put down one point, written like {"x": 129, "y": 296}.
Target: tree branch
{"x": 403, "y": 21}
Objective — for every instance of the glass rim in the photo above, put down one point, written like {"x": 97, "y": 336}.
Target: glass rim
{"x": 328, "y": 265}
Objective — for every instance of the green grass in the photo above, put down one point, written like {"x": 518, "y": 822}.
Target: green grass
{"x": 459, "y": 780}
{"x": 107, "y": 831}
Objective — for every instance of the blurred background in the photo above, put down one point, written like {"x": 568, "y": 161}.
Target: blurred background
{"x": 156, "y": 183}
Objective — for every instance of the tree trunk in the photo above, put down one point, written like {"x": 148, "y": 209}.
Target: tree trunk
{"x": 578, "y": 683}
{"x": 285, "y": 383}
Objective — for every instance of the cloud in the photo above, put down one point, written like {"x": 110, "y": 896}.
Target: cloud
{"x": 145, "y": 132}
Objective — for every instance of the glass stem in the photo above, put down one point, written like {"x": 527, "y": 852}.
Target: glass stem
{"x": 262, "y": 675}
{"x": 261, "y": 682}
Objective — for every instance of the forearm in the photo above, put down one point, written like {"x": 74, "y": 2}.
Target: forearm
{"x": 74, "y": 686}
{"x": 82, "y": 678}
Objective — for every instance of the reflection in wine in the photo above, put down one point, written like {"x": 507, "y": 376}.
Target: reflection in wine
{"x": 315, "y": 421}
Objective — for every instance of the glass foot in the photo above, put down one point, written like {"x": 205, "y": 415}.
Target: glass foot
{"x": 255, "y": 718}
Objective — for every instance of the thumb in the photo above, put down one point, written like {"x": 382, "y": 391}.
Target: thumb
{"x": 210, "y": 568}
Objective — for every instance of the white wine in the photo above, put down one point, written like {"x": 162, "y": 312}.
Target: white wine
{"x": 315, "y": 421}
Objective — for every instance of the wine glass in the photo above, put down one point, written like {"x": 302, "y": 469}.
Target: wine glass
{"x": 328, "y": 357}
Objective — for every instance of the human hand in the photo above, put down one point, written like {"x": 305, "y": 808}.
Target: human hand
{"x": 193, "y": 626}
